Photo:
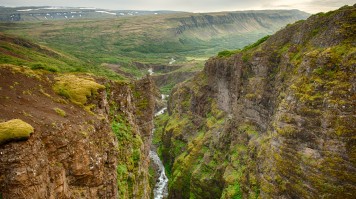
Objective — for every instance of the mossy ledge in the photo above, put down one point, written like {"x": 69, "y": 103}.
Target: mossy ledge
{"x": 76, "y": 89}
{"x": 15, "y": 129}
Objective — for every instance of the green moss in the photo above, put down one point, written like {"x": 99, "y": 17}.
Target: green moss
{"x": 60, "y": 112}
{"x": 257, "y": 43}
{"x": 76, "y": 89}
{"x": 249, "y": 129}
{"x": 245, "y": 58}
{"x": 228, "y": 53}
{"x": 15, "y": 129}
{"x": 38, "y": 65}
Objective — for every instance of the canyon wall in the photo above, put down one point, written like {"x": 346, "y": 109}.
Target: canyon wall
{"x": 91, "y": 135}
{"x": 274, "y": 120}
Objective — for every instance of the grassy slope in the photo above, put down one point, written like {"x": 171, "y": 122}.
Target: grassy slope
{"x": 146, "y": 39}
{"x": 22, "y": 52}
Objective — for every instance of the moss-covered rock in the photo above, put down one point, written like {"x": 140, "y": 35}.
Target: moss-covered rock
{"x": 15, "y": 129}
{"x": 76, "y": 89}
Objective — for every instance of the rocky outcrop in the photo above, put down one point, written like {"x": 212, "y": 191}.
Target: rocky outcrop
{"x": 274, "y": 120}
{"x": 172, "y": 78}
{"x": 98, "y": 149}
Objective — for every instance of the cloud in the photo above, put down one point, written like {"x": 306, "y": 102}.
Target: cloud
{"x": 311, "y": 6}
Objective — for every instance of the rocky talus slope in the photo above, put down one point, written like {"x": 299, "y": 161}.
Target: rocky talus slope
{"x": 90, "y": 136}
{"x": 274, "y": 120}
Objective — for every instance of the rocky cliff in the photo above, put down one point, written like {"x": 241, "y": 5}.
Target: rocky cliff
{"x": 274, "y": 120}
{"x": 90, "y": 136}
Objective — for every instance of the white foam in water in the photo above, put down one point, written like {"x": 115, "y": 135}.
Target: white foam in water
{"x": 161, "y": 189}
{"x": 160, "y": 112}
{"x": 150, "y": 71}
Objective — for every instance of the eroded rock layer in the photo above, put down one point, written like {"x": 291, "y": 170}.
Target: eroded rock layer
{"x": 90, "y": 140}
{"x": 274, "y": 120}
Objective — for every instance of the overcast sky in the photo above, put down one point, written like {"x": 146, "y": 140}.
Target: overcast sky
{"x": 311, "y": 6}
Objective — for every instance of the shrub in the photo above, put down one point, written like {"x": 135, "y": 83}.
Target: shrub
{"x": 15, "y": 129}
{"x": 227, "y": 53}
{"x": 257, "y": 43}
{"x": 37, "y": 66}
{"x": 60, "y": 112}
{"x": 76, "y": 89}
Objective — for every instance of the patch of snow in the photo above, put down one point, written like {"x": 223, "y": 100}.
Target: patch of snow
{"x": 87, "y": 8}
{"x": 106, "y": 12}
{"x": 26, "y": 10}
{"x": 54, "y": 8}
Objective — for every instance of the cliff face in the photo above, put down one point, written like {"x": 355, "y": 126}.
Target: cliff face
{"x": 215, "y": 24}
{"x": 90, "y": 143}
{"x": 275, "y": 120}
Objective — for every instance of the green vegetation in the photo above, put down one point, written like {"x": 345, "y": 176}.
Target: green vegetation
{"x": 76, "y": 89}
{"x": 129, "y": 150}
{"x": 22, "y": 52}
{"x": 102, "y": 46}
{"x": 15, "y": 129}
{"x": 228, "y": 53}
{"x": 60, "y": 112}
{"x": 36, "y": 66}
{"x": 257, "y": 43}
{"x": 129, "y": 147}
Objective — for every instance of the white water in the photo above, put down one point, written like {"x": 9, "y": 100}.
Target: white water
{"x": 172, "y": 61}
{"x": 161, "y": 189}
{"x": 160, "y": 112}
{"x": 150, "y": 71}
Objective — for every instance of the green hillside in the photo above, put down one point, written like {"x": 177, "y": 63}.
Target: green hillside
{"x": 131, "y": 45}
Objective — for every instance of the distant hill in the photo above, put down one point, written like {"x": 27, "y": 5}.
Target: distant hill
{"x": 44, "y": 13}
{"x": 168, "y": 42}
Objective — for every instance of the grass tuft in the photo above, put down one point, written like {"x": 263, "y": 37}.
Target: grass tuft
{"x": 60, "y": 112}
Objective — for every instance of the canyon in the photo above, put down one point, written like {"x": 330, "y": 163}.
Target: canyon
{"x": 273, "y": 119}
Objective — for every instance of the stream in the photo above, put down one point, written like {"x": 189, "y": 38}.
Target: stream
{"x": 161, "y": 188}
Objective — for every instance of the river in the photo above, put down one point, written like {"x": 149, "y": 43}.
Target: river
{"x": 160, "y": 190}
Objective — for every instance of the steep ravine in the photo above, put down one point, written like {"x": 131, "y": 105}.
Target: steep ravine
{"x": 91, "y": 136}
{"x": 275, "y": 120}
